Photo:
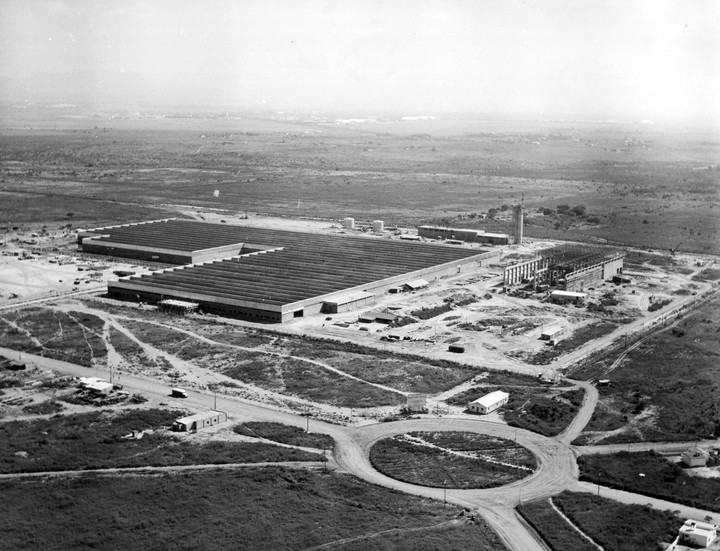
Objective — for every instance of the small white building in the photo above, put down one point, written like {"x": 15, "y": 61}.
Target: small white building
{"x": 698, "y": 533}
{"x": 200, "y": 421}
{"x": 489, "y": 402}
{"x": 96, "y": 385}
{"x": 550, "y": 333}
{"x": 695, "y": 457}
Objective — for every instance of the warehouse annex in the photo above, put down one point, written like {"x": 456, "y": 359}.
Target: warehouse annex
{"x": 267, "y": 275}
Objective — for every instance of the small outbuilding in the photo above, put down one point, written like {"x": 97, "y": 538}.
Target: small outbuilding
{"x": 695, "y": 457}
{"x": 550, "y": 333}
{"x": 200, "y": 421}
{"x": 96, "y": 385}
{"x": 698, "y": 533}
{"x": 379, "y": 317}
{"x": 564, "y": 297}
{"x": 416, "y": 403}
{"x": 489, "y": 402}
{"x": 416, "y": 284}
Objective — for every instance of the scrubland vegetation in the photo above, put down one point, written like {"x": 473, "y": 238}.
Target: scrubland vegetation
{"x": 612, "y": 525}
{"x": 660, "y": 478}
{"x": 452, "y": 459}
{"x": 255, "y": 509}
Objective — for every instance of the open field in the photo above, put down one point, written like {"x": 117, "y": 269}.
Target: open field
{"x": 614, "y": 526}
{"x": 452, "y": 459}
{"x": 311, "y": 168}
{"x": 280, "y": 509}
{"x": 99, "y": 440}
{"x": 665, "y": 389}
{"x": 662, "y": 478}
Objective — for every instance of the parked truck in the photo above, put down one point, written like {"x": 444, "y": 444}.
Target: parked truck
{"x": 178, "y": 393}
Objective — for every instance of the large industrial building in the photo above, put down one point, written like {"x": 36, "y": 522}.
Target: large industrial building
{"x": 568, "y": 267}
{"x": 269, "y": 275}
{"x": 460, "y": 234}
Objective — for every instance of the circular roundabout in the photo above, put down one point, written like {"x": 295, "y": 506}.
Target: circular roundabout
{"x": 460, "y": 460}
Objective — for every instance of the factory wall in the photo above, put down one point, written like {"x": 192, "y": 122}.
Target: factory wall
{"x": 578, "y": 281}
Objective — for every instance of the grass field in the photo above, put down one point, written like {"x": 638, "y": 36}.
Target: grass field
{"x": 666, "y": 389}
{"x": 452, "y": 459}
{"x": 95, "y": 441}
{"x": 249, "y": 509}
{"x": 614, "y": 526}
{"x": 662, "y": 479}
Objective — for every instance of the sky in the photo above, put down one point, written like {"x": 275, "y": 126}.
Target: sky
{"x": 644, "y": 59}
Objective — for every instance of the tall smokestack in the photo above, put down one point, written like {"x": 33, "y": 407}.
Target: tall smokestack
{"x": 518, "y": 217}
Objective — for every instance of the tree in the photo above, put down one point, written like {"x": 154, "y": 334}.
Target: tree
{"x": 579, "y": 210}
{"x": 563, "y": 209}
{"x": 492, "y": 213}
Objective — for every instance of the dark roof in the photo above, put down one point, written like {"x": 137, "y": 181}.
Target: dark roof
{"x": 309, "y": 265}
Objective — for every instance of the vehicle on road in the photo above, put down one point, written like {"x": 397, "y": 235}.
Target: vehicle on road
{"x": 178, "y": 393}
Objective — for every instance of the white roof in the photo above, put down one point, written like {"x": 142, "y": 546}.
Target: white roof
{"x": 491, "y": 399}
{"x": 696, "y": 526}
{"x": 417, "y": 283}
{"x": 91, "y": 380}
{"x": 99, "y": 385}
{"x": 568, "y": 294}
{"x": 552, "y": 330}
{"x": 350, "y": 297}
{"x": 198, "y": 416}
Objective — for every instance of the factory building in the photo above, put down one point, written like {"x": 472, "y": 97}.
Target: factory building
{"x": 467, "y": 235}
{"x": 568, "y": 267}
{"x": 272, "y": 276}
